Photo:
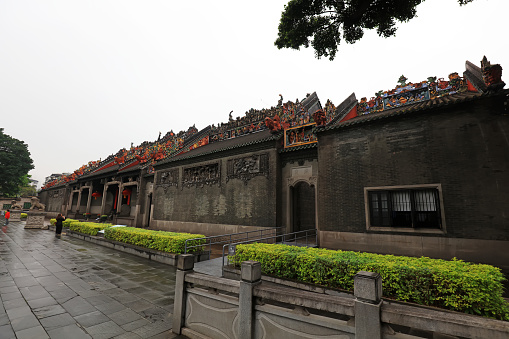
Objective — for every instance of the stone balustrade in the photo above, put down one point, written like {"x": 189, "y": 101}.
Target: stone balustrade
{"x": 211, "y": 307}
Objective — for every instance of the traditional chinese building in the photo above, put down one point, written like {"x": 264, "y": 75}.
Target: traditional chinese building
{"x": 421, "y": 169}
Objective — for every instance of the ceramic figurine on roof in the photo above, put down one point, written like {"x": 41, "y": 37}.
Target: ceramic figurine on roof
{"x": 492, "y": 75}
{"x": 320, "y": 118}
{"x": 274, "y": 124}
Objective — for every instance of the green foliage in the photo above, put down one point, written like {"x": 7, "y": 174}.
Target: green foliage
{"x": 455, "y": 285}
{"x": 15, "y": 162}
{"x": 327, "y": 21}
{"x": 158, "y": 240}
{"x": 66, "y": 223}
{"x": 90, "y": 228}
{"x": 23, "y": 215}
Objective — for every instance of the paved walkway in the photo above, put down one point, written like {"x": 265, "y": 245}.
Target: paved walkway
{"x": 70, "y": 289}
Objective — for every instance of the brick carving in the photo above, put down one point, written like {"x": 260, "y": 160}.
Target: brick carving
{"x": 246, "y": 168}
{"x": 167, "y": 179}
{"x": 200, "y": 176}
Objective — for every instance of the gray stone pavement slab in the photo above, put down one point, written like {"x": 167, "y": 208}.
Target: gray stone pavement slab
{"x": 6, "y": 332}
{"x": 67, "y": 332}
{"x": 68, "y": 288}
{"x": 56, "y": 321}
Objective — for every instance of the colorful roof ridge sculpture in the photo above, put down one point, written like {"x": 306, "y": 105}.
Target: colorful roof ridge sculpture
{"x": 296, "y": 119}
{"x": 411, "y": 93}
{"x": 146, "y": 152}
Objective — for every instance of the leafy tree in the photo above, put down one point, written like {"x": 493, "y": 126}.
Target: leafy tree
{"x": 327, "y": 21}
{"x": 26, "y": 188}
{"x": 15, "y": 162}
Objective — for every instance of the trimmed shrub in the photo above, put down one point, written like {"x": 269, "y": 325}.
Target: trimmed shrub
{"x": 90, "y": 228}
{"x": 158, "y": 240}
{"x": 455, "y": 285}
{"x": 67, "y": 222}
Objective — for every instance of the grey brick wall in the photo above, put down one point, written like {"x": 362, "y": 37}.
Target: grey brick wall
{"x": 252, "y": 202}
{"x": 463, "y": 147}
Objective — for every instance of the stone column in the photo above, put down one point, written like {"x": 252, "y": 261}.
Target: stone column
{"x": 119, "y": 198}
{"x": 78, "y": 204}
{"x": 250, "y": 274}
{"x": 89, "y": 200}
{"x": 103, "y": 202}
{"x": 185, "y": 265}
{"x": 71, "y": 195}
{"x": 368, "y": 293}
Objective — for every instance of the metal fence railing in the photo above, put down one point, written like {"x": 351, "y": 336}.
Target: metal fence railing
{"x": 307, "y": 238}
{"x": 230, "y": 238}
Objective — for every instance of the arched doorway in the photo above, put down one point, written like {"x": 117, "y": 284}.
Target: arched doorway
{"x": 303, "y": 207}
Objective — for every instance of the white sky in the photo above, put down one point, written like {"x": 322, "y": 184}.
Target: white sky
{"x": 80, "y": 80}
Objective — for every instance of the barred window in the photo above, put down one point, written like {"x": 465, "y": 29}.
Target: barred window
{"x": 415, "y": 208}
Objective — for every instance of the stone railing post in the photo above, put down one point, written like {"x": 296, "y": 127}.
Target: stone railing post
{"x": 250, "y": 274}
{"x": 368, "y": 293}
{"x": 185, "y": 265}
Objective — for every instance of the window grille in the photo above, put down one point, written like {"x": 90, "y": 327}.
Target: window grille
{"x": 416, "y": 208}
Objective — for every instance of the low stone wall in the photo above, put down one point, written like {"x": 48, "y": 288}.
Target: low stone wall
{"x": 201, "y": 228}
{"x": 210, "y": 307}
{"x": 147, "y": 253}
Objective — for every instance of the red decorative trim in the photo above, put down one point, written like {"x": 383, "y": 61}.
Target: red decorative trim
{"x": 351, "y": 114}
{"x": 129, "y": 166}
{"x": 112, "y": 163}
{"x": 471, "y": 87}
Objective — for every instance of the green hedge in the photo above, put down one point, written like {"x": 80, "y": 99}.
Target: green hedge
{"x": 66, "y": 223}
{"x": 90, "y": 228}
{"x": 158, "y": 240}
{"x": 455, "y": 285}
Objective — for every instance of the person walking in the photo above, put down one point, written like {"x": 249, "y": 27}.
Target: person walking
{"x": 59, "y": 225}
{"x": 7, "y": 215}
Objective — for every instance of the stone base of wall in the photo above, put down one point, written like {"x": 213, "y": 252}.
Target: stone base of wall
{"x": 200, "y": 228}
{"x": 162, "y": 257}
{"x": 492, "y": 252}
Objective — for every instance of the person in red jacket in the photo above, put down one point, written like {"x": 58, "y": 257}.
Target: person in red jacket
{"x": 7, "y": 216}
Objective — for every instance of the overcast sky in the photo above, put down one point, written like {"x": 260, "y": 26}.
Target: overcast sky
{"x": 80, "y": 80}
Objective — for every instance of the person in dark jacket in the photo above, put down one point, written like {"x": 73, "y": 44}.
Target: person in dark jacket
{"x": 58, "y": 224}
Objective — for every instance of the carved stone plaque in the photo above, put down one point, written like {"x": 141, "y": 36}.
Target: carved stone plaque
{"x": 246, "y": 168}
{"x": 202, "y": 175}
{"x": 302, "y": 171}
{"x": 167, "y": 179}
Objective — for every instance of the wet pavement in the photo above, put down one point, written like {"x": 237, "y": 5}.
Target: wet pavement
{"x": 69, "y": 288}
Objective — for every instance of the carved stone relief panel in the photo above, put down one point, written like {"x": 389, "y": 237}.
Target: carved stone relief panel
{"x": 167, "y": 179}
{"x": 246, "y": 168}
{"x": 57, "y": 194}
{"x": 200, "y": 176}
